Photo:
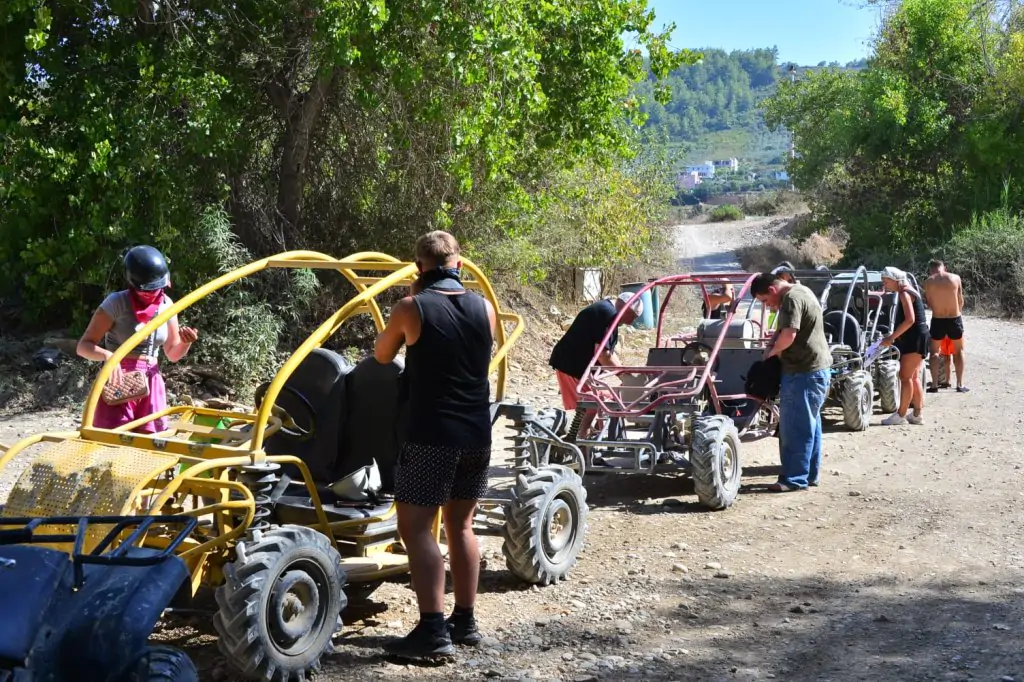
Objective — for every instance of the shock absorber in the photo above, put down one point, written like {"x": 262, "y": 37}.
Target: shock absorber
{"x": 520, "y": 447}
{"x": 260, "y": 479}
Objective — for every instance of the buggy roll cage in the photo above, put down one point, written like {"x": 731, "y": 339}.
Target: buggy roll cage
{"x": 363, "y": 270}
{"x": 667, "y": 383}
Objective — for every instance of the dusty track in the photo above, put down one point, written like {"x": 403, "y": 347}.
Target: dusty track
{"x": 906, "y": 564}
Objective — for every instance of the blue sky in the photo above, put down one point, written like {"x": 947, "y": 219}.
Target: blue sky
{"x": 805, "y": 31}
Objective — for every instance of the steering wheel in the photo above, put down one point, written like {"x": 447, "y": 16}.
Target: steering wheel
{"x": 289, "y": 427}
{"x": 691, "y": 353}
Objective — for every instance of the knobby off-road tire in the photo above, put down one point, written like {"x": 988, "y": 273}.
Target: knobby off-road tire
{"x": 715, "y": 461}
{"x": 164, "y": 664}
{"x": 545, "y": 524}
{"x": 887, "y": 381}
{"x": 280, "y": 604}
{"x": 857, "y": 395}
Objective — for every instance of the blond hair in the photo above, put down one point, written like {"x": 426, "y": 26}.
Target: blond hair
{"x": 437, "y": 248}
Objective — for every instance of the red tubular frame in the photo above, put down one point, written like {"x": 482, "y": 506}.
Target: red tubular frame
{"x": 593, "y": 387}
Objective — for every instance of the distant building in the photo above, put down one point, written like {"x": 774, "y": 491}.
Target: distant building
{"x": 782, "y": 176}
{"x": 704, "y": 170}
{"x": 729, "y": 165}
{"x": 687, "y": 180}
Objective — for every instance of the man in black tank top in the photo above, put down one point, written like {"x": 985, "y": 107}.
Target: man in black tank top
{"x": 448, "y": 334}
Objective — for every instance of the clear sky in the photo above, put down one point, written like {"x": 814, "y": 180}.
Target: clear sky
{"x": 805, "y": 31}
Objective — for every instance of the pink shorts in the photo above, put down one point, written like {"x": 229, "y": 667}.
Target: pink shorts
{"x": 567, "y": 387}
{"x": 112, "y": 416}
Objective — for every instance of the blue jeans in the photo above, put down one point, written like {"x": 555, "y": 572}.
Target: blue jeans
{"x": 800, "y": 401}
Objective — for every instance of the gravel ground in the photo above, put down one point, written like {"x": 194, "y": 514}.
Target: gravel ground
{"x": 906, "y": 564}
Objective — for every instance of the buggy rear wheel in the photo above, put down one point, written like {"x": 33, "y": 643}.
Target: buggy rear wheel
{"x": 164, "y": 664}
{"x": 887, "y": 380}
{"x": 545, "y": 524}
{"x": 715, "y": 461}
{"x": 280, "y": 603}
{"x": 857, "y": 396}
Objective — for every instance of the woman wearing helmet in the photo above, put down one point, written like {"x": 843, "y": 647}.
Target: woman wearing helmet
{"x": 118, "y": 317}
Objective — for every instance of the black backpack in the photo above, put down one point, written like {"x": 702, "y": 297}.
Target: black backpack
{"x": 764, "y": 379}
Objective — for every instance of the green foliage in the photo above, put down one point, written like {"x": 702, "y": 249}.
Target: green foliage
{"x": 325, "y": 124}
{"x": 724, "y": 213}
{"x": 715, "y": 110}
{"x": 988, "y": 254}
{"x": 901, "y": 152}
{"x": 590, "y": 215}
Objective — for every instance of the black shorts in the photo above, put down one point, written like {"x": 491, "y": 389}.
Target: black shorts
{"x": 431, "y": 475}
{"x": 914, "y": 340}
{"x": 947, "y": 327}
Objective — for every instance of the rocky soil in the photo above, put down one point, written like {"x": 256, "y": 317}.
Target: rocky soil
{"x": 906, "y": 564}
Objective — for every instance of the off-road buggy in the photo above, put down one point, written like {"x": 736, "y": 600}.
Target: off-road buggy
{"x": 288, "y": 529}
{"x": 857, "y": 313}
{"x": 687, "y": 407}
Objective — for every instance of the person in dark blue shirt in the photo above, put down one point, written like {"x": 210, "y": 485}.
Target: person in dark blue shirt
{"x": 574, "y": 351}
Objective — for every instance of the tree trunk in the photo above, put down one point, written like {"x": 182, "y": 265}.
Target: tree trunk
{"x": 300, "y": 112}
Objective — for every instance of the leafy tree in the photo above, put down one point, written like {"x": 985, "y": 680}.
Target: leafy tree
{"x": 912, "y": 145}
{"x": 334, "y": 124}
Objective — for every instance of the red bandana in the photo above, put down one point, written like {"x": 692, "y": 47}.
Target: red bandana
{"x": 146, "y": 304}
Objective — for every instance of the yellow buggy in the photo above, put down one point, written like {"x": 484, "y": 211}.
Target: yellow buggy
{"x": 288, "y": 517}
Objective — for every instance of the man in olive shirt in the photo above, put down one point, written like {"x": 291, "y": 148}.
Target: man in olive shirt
{"x": 802, "y": 348}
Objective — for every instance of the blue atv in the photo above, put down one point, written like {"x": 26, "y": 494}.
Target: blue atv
{"x": 86, "y": 616}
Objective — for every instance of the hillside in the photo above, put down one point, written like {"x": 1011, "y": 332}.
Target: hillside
{"x": 715, "y": 114}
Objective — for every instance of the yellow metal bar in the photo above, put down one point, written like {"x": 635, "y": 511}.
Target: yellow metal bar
{"x": 315, "y": 340}
{"x": 12, "y": 451}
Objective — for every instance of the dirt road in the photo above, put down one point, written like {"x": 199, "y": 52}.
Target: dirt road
{"x": 906, "y": 564}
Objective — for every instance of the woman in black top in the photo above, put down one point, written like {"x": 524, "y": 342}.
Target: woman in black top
{"x": 910, "y": 337}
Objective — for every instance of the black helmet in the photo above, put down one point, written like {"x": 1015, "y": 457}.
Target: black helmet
{"x": 146, "y": 269}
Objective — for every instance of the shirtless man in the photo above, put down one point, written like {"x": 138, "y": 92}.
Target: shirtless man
{"x": 944, "y": 294}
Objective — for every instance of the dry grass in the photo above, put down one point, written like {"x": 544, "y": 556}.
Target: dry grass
{"x": 818, "y": 249}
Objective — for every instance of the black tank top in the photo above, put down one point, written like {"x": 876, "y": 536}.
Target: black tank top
{"x": 919, "y": 319}
{"x": 446, "y": 372}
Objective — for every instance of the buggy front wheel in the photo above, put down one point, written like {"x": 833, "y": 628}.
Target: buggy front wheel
{"x": 857, "y": 395}
{"x": 715, "y": 461}
{"x": 280, "y": 603}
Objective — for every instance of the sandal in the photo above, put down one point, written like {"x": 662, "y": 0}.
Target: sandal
{"x": 962, "y": 389}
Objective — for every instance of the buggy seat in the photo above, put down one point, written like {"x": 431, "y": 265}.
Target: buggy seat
{"x": 360, "y": 419}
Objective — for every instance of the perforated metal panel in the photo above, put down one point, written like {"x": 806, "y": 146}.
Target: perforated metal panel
{"x": 77, "y": 478}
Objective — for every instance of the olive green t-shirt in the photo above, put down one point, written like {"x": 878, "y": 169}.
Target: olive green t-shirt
{"x": 800, "y": 310}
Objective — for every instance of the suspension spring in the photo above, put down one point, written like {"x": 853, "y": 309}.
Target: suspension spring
{"x": 260, "y": 479}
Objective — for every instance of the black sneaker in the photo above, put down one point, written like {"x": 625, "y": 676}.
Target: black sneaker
{"x": 463, "y": 630}
{"x": 422, "y": 645}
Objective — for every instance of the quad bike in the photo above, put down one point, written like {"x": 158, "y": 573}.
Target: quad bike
{"x": 87, "y": 617}
{"x": 686, "y": 407}
{"x": 293, "y": 499}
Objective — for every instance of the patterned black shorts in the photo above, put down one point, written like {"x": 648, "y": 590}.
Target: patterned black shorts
{"x": 431, "y": 475}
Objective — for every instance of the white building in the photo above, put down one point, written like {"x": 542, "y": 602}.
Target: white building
{"x": 704, "y": 170}
{"x": 730, "y": 165}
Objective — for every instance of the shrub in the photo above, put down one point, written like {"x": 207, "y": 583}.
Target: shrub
{"x": 725, "y": 212}
{"x": 782, "y": 202}
{"x": 818, "y": 249}
{"x": 988, "y": 254}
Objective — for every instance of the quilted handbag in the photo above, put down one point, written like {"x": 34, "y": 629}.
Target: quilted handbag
{"x": 133, "y": 386}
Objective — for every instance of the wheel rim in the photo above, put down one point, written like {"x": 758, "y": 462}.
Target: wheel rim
{"x": 297, "y": 609}
{"x": 728, "y": 462}
{"x": 865, "y": 401}
{"x": 560, "y": 527}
